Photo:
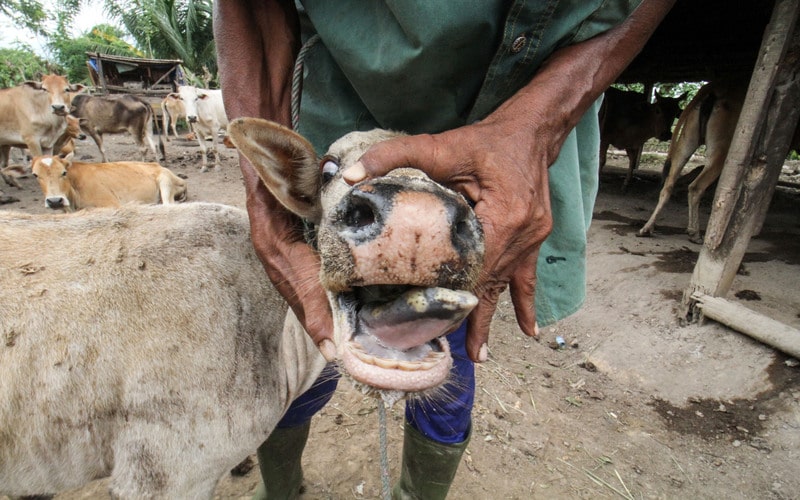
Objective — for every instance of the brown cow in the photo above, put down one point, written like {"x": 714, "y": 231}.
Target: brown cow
{"x": 710, "y": 119}
{"x": 115, "y": 114}
{"x": 151, "y": 348}
{"x": 627, "y": 121}
{"x": 71, "y": 185}
{"x": 64, "y": 146}
{"x": 172, "y": 110}
{"x": 32, "y": 114}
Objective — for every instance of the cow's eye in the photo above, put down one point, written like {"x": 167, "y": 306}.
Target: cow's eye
{"x": 64, "y": 173}
{"x": 35, "y": 176}
{"x": 330, "y": 167}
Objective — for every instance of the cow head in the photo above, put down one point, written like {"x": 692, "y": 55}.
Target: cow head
{"x": 399, "y": 254}
{"x": 189, "y": 96}
{"x": 74, "y": 130}
{"x": 51, "y": 173}
{"x": 59, "y": 91}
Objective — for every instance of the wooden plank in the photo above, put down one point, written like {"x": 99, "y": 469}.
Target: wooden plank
{"x": 777, "y": 39}
{"x": 753, "y": 165}
{"x": 762, "y": 328}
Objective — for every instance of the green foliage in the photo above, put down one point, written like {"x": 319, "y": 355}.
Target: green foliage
{"x": 18, "y": 65}
{"x": 70, "y": 53}
{"x": 685, "y": 89}
{"x": 170, "y": 29}
{"x": 27, "y": 13}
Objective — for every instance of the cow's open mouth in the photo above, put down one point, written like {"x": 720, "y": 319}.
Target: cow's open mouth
{"x": 397, "y": 334}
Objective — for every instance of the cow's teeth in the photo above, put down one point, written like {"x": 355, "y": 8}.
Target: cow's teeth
{"x": 431, "y": 360}
{"x": 389, "y": 364}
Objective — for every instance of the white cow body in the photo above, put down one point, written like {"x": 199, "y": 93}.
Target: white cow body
{"x": 206, "y": 114}
{"x": 142, "y": 343}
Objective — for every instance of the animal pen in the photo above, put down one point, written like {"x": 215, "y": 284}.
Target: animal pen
{"x": 150, "y": 79}
{"x": 710, "y": 40}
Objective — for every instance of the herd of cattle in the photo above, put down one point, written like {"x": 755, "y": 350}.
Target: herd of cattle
{"x": 46, "y": 116}
{"x": 144, "y": 343}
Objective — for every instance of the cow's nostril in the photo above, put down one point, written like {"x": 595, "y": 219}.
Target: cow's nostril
{"x": 462, "y": 229}
{"x": 359, "y": 215}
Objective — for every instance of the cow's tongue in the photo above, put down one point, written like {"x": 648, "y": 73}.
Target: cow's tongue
{"x": 416, "y": 317}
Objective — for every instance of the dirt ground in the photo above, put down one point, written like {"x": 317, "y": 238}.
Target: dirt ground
{"x": 635, "y": 406}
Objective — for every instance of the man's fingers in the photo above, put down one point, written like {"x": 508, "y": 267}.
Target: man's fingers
{"x": 523, "y": 294}
{"x": 478, "y": 326}
{"x": 426, "y": 152}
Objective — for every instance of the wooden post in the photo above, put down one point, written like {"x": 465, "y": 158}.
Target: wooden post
{"x": 762, "y": 328}
{"x": 754, "y": 161}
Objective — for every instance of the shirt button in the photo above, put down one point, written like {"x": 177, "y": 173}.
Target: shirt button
{"x": 518, "y": 43}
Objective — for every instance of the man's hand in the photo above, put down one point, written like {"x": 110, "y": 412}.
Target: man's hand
{"x": 292, "y": 265}
{"x": 502, "y": 167}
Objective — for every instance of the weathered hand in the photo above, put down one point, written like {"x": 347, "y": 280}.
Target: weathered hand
{"x": 292, "y": 266}
{"x": 502, "y": 167}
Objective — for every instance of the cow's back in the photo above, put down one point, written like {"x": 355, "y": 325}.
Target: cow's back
{"x": 135, "y": 338}
{"x": 114, "y": 184}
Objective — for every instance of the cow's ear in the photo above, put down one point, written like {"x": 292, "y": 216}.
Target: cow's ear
{"x": 174, "y": 95}
{"x": 33, "y": 84}
{"x": 67, "y": 160}
{"x": 285, "y": 162}
{"x": 77, "y": 88}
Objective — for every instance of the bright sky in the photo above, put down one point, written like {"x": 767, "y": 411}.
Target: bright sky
{"x": 90, "y": 15}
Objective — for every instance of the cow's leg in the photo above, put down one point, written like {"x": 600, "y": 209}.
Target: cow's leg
{"x": 202, "y": 141}
{"x": 5, "y": 152}
{"x": 214, "y": 148}
{"x": 634, "y": 154}
{"x": 165, "y": 123}
{"x": 98, "y": 139}
{"x": 673, "y": 165}
{"x": 696, "y": 189}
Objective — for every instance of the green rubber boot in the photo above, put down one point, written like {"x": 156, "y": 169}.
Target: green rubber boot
{"x": 428, "y": 467}
{"x": 279, "y": 460}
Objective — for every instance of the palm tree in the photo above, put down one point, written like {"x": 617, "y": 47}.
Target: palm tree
{"x": 170, "y": 29}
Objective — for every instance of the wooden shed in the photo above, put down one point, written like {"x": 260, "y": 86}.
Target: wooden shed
{"x": 710, "y": 40}
{"x": 151, "y": 79}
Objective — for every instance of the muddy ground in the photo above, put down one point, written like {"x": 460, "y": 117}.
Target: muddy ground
{"x": 635, "y": 406}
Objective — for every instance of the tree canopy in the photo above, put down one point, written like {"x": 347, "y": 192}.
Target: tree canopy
{"x": 157, "y": 29}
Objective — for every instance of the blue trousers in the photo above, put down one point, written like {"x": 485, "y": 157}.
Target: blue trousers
{"x": 444, "y": 417}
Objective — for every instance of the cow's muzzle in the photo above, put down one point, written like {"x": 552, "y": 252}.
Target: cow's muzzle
{"x": 413, "y": 253}
{"x": 56, "y": 202}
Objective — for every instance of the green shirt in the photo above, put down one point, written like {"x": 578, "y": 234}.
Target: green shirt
{"x": 425, "y": 66}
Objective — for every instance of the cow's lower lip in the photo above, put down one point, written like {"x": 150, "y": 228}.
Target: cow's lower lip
{"x": 396, "y": 344}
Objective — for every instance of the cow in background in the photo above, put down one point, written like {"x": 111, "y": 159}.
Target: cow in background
{"x": 32, "y": 114}
{"x": 628, "y": 120}
{"x": 70, "y": 185}
{"x": 115, "y": 114}
{"x": 63, "y": 146}
{"x": 710, "y": 119}
{"x": 206, "y": 115}
{"x": 172, "y": 110}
